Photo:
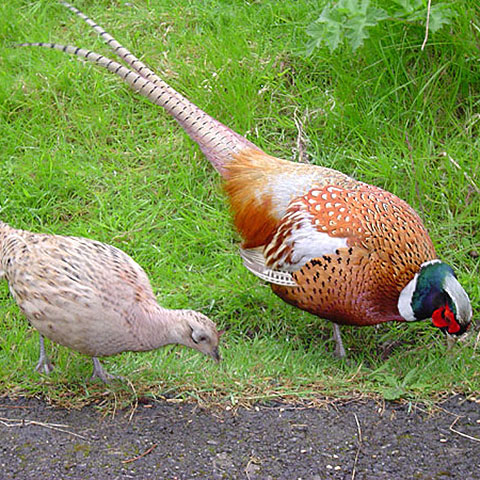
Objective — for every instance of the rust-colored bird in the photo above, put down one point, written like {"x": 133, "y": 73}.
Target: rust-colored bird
{"x": 331, "y": 245}
{"x": 93, "y": 298}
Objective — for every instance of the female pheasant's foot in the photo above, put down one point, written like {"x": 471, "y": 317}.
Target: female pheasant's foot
{"x": 44, "y": 365}
{"x": 99, "y": 372}
{"x": 339, "y": 350}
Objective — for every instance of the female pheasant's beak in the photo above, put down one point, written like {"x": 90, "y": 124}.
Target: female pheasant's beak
{"x": 215, "y": 355}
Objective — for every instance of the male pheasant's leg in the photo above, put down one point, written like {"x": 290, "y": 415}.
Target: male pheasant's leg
{"x": 99, "y": 372}
{"x": 44, "y": 365}
{"x": 339, "y": 350}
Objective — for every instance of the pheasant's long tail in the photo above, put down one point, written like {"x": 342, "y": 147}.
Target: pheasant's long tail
{"x": 128, "y": 57}
{"x": 218, "y": 142}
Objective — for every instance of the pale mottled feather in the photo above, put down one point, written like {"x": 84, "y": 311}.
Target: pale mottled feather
{"x": 93, "y": 297}
{"x": 254, "y": 261}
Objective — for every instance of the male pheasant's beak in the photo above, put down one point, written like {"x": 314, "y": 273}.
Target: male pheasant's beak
{"x": 453, "y": 339}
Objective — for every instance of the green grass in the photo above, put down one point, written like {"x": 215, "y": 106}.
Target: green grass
{"x": 80, "y": 154}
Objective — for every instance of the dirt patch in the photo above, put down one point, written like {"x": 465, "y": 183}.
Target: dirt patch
{"x": 165, "y": 440}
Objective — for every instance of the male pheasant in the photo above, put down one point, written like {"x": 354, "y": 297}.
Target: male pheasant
{"x": 93, "y": 298}
{"x": 336, "y": 247}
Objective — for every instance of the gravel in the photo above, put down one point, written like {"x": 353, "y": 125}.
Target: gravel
{"x": 166, "y": 440}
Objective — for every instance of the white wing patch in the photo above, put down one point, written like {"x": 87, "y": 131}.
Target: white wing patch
{"x": 254, "y": 261}
{"x": 297, "y": 241}
{"x": 288, "y": 186}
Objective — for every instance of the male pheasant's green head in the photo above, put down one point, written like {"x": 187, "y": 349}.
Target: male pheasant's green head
{"x": 435, "y": 293}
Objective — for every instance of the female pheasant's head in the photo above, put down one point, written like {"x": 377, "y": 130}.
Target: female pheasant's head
{"x": 435, "y": 293}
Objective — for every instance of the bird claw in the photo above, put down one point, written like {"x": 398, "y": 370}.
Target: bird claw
{"x": 101, "y": 374}
{"x": 44, "y": 366}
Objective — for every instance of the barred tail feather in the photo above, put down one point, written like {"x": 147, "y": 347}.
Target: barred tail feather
{"x": 128, "y": 57}
{"x": 218, "y": 142}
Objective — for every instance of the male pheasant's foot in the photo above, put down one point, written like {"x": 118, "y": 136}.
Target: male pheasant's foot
{"x": 99, "y": 372}
{"x": 44, "y": 365}
{"x": 339, "y": 350}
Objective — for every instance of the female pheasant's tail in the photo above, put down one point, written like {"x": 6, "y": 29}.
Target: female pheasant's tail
{"x": 218, "y": 142}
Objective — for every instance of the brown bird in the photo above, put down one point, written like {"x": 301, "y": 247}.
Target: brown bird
{"x": 336, "y": 247}
{"x": 93, "y": 298}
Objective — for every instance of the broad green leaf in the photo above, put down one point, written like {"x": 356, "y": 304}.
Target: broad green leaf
{"x": 323, "y": 33}
{"x": 326, "y": 30}
{"x": 367, "y": 16}
{"x": 349, "y": 7}
{"x": 440, "y": 15}
{"x": 357, "y": 32}
{"x": 409, "y": 6}
{"x": 351, "y": 20}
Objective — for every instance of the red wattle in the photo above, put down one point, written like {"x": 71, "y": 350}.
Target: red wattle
{"x": 453, "y": 326}
{"x": 438, "y": 319}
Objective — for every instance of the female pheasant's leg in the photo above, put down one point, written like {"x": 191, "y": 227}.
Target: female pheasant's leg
{"x": 99, "y": 372}
{"x": 44, "y": 365}
{"x": 339, "y": 350}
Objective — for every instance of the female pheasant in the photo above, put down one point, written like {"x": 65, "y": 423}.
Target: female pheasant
{"x": 93, "y": 298}
{"x": 336, "y": 247}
